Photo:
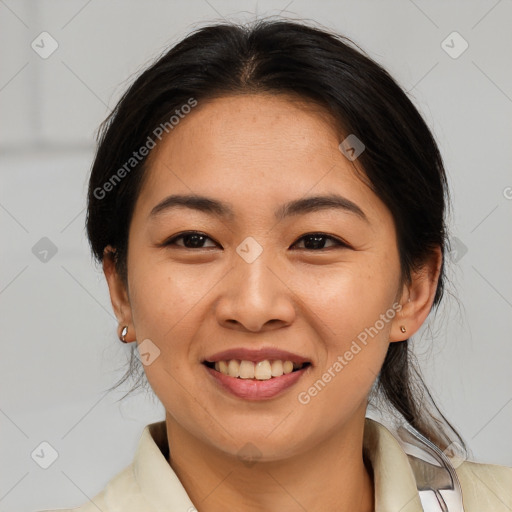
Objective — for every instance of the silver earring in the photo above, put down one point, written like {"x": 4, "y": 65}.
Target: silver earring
{"x": 403, "y": 329}
{"x": 124, "y": 332}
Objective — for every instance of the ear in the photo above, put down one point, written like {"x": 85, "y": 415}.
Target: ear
{"x": 417, "y": 298}
{"x": 118, "y": 294}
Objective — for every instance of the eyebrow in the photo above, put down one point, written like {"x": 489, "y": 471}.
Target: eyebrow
{"x": 224, "y": 210}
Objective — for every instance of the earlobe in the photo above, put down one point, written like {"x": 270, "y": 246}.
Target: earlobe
{"x": 417, "y": 298}
{"x": 117, "y": 290}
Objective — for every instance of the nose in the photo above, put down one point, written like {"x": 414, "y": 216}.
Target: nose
{"x": 255, "y": 297}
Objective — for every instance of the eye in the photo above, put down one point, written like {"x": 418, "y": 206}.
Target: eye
{"x": 315, "y": 241}
{"x": 196, "y": 240}
{"x": 191, "y": 240}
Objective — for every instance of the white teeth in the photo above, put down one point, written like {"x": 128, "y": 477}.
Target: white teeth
{"x": 223, "y": 367}
{"x": 262, "y": 370}
{"x": 246, "y": 370}
{"x": 277, "y": 368}
{"x": 287, "y": 367}
{"x": 233, "y": 368}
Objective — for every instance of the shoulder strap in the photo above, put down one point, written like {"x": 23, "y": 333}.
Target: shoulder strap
{"x": 437, "y": 482}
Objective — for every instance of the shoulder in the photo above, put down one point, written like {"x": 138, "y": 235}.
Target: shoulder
{"x": 147, "y": 481}
{"x": 485, "y": 486}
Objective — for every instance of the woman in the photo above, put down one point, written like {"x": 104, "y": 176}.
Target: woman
{"x": 269, "y": 210}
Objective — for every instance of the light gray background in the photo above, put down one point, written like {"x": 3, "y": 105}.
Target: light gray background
{"x": 59, "y": 347}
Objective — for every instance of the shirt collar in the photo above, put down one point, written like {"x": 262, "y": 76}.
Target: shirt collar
{"x": 394, "y": 482}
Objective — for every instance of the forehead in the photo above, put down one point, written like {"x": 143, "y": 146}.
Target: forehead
{"x": 231, "y": 128}
{"x": 251, "y": 150}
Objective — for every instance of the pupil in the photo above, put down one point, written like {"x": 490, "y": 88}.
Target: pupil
{"x": 196, "y": 240}
{"x": 317, "y": 242}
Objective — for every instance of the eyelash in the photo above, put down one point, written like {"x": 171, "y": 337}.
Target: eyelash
{"x": 338, "y": 242}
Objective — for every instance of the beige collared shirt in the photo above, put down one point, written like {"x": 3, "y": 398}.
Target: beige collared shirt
{"x": 149, "y": 483}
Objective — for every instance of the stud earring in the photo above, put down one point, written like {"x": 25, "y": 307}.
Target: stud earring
{"x": 403, "y": 329}
{"x": 124, "y": 332}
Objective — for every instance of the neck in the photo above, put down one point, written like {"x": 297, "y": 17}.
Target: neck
{"x": 331, "y": 476}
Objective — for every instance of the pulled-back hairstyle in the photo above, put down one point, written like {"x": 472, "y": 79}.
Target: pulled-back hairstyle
{"x": 401, "y": 162}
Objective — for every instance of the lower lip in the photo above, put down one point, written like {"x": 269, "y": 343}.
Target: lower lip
{"x": 252, "y": 389}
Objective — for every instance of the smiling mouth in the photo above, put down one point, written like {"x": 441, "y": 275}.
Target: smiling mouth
{"x": 260, "y": 370}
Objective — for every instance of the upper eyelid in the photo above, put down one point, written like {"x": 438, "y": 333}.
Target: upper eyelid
{"x": 337, "y": 240}
{"x": 185, "y": 233}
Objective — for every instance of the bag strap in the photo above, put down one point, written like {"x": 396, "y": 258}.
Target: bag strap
{"x": 436, "y": 480}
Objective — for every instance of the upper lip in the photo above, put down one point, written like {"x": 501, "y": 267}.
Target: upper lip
{"x": 256, "y": 355}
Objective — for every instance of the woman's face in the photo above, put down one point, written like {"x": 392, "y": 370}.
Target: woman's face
{"x": 257, "y": 281}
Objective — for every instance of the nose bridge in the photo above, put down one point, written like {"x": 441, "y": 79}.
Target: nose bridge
{"x": 255, "y": 282}
{"x": 254, "y": 296}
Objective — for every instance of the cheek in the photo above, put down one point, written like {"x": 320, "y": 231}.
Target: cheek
{"x": 162, "y": 297}
{"x": 169, "y": 305}
{"x": 159, "y": 307}
{"x": 357, "y": 304}
{"x": 355, "y": 294}
{"x": 161, "y": 302}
